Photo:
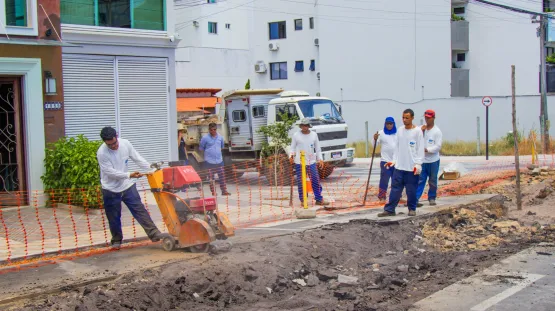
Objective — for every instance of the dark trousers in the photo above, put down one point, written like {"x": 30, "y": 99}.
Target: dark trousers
{"x": 214, "y": 169}
{"x": 429, "y": 172}
{"x": 312, "y": 173}
{"x": 131, "y": 198}
{"x": 385, "y": 176}
{"x": 400, "y": 180}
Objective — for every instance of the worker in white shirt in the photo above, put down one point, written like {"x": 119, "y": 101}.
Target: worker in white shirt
{"x": 408, "y": 165}
{"x": 113, "y": 157}
{"x": 387, "y": 139}
{"x": 307, "y": 141}
{"x": 430, "y": 168}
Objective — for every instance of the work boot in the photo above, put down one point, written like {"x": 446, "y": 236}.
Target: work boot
{"x": 157, "y": 236}
{"x": 116, "y": 246}
{"x": 225, "y": 193}
{"x": 322, "y": 202}
{"x": 433, "y": 202}
{"x": 419, "y": 204}
{"x": 412, "y": 213}
{"x": 386, "y": 214}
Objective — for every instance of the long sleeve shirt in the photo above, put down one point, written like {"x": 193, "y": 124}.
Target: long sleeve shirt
{"x": 389, "y": 146}
{"x": 310, "y": 144}
{"x": 114, "y": 169}
{"x": 433, "y": 139}
{"x": 212, "y": 147}
{"x": 410, "y": 148}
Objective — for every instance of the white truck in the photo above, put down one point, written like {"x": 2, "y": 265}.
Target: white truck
{"x": 243, "y": 112}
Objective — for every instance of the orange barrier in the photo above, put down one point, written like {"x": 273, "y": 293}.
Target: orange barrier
{"x": 34, "y": 226}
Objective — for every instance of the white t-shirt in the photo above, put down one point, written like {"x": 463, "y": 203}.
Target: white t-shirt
{"x": 389, "y": 146}
{"x": 432, "y": 141}
{"x": 114, "y": 174}
{"x": 309, "y": 143}
{"x": 410, "y": 148}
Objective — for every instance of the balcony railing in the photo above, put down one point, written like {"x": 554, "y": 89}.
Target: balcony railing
{"x": 460, "y": 85}
{"x": 459, "y": 35}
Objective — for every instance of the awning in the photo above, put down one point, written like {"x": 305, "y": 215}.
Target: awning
{"x": 192, "y": 104}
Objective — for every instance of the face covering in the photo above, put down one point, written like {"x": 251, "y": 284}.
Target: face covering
{"x": 393, "y": 130}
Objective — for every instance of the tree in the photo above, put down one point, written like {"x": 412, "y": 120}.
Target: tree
{"x": 248, "y": 85}
{"x": 278, "y": 140}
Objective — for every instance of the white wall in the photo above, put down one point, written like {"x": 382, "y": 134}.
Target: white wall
{"x": 499, "y": 39}
{"x": 206, "y": 60}
{"x": 456, "y": 117}
{"x": 299, "y": 45}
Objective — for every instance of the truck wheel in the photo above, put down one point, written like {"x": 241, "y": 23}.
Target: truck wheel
{"x": 326, "y": 170}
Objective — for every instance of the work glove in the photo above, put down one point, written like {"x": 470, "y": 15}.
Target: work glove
{"x": 389, "y": 164}
{"x": 417, "y": 169}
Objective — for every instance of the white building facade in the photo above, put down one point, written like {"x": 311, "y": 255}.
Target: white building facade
{"x": 121, "y": 72}
{"x": 378, "y": 58}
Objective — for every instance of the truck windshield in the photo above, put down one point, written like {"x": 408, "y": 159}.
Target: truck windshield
{"x": 322, "y": 109}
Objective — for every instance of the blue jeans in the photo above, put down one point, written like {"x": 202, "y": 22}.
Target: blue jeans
{"x": 430, "y": 172}
{"x": 132, "y": 199}
{"x": 216, "y": 169}
{"x": 312, "y": 173}
{"x": 385, "y": 176}
{"x": 400, "y": 180}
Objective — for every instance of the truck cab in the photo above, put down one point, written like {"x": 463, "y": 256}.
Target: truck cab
{"x": 325, "y": 120}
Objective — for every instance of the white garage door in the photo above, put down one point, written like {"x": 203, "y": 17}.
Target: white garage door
{"x": 128, "y": 93}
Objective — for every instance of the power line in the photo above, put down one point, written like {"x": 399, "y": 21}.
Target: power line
{"x": 511, "y": 8}
{"x": 205, "y": 16}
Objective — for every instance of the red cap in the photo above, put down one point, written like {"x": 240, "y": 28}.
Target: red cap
{"x": 430, "y": 113}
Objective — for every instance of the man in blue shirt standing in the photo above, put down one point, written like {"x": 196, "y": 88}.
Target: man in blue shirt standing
{"x": 212, "y": 145}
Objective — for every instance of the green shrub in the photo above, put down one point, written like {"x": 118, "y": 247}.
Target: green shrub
{"x": 72, "y": 173}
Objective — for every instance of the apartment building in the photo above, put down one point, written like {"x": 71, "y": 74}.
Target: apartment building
{"x": 120, "y": 72}
{"x": 378, "y": 58}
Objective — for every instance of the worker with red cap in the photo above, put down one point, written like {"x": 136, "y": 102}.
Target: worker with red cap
{"x": 430, "y": 165}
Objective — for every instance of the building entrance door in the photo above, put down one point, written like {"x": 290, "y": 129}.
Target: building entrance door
{"x": 12, "y": 160}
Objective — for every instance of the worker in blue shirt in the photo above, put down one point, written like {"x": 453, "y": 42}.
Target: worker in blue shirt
{"x": 212, "y": 145}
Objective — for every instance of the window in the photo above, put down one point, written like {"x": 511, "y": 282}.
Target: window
{"x": 277, "y": 30}
{"x": 278, "y": 71}
{"x": 291, "y": 111}
{"x": 135, "y": 14}
{"x": 213, "y": 28}
{"x": 311, "y": 22}
{"x": 299, "y": 66}
{"x": 211, "y": 1}
{"x": 312, "y": 65}
{"x": 461, "y": 57}
{"x": 16, "y": 13}
{"x": 459, "y": 10}
{"x": 228, "y": 26}
{"x": 239, "y": 116}
{"x": 298, "y": 24}
{"x": 258, "y": 112}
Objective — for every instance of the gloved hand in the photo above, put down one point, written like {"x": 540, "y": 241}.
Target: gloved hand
{"x": 417, "y": 169}
{"x": 389, "y": 164}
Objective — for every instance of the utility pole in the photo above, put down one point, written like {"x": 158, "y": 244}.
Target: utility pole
{"x": 515, "y": 139}
{"x": 544, "y": 123}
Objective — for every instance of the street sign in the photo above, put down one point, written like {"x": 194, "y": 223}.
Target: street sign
{"x": 487, "y": 101}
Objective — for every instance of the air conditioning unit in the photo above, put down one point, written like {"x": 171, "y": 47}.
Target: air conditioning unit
{"x": 318, "y": 76}
{"x": 260, "y": 67}
{"x": 195, "y": 23}
{"x": 273, "y": 46}
{"x": 316, "y": 42}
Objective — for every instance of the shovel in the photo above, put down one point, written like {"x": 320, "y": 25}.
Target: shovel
{"x": 370, "y": 172}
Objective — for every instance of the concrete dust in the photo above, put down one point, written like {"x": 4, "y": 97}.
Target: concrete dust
{"x": 361, "y": 265}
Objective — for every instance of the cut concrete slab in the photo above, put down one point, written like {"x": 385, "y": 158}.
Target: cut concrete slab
{"x": 305, "y": 213}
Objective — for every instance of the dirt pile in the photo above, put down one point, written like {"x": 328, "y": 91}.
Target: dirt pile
{"x": 361, "y": 265}
{"x": 479, "y": 227}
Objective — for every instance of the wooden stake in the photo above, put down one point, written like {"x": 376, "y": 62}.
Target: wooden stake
{"x": 515, "y": 138}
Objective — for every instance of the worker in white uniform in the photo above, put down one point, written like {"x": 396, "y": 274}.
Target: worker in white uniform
{"x": 408, "y": 165}
{"x": 387, "y": 139}
{"x": 307, "y": 141}
{"x": 433, "y": 139}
